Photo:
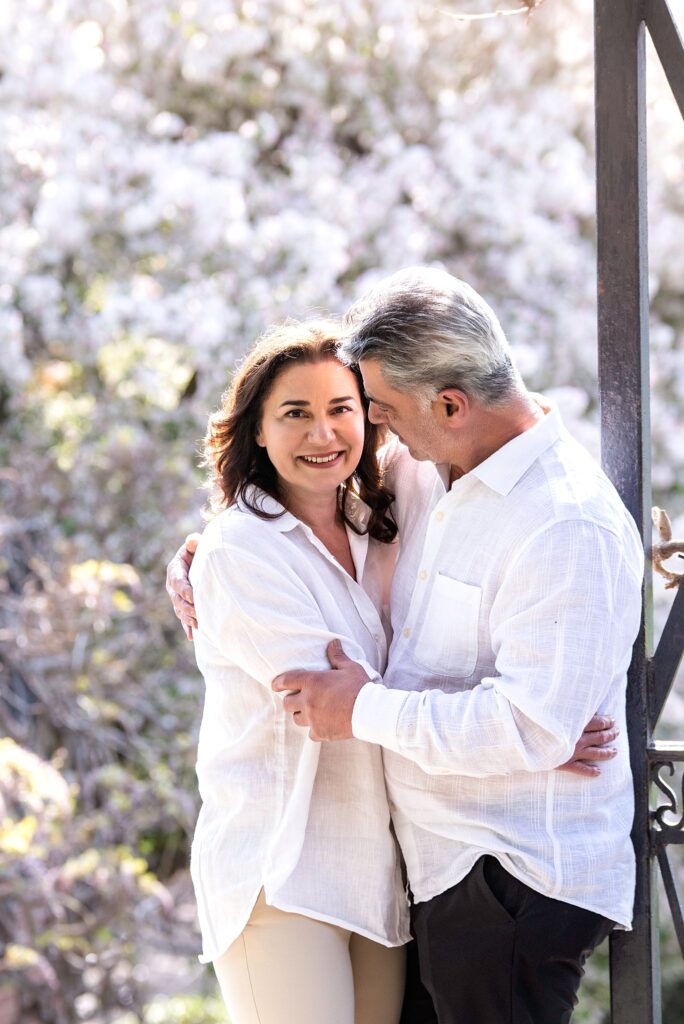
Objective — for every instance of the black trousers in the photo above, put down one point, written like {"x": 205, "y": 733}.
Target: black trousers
{"x": 418, "y": 1007}
{"x": 493, "y": 951}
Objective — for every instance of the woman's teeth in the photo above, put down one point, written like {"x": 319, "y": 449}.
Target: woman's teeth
{"x": 320, "y": 458}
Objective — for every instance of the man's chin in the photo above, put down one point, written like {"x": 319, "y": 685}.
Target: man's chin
{"x": 417, "y": 455}
{"x": 413, "y": 452}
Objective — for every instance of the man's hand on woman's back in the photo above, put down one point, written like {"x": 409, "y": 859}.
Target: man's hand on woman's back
{"x": 178, "y": 584}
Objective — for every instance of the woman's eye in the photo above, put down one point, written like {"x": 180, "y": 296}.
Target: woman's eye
{"x": 342, "y": 408}
{"x": 294, "y": 414}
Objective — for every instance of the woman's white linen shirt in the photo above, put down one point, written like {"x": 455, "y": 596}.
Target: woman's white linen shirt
{"x": 307, "y": 822}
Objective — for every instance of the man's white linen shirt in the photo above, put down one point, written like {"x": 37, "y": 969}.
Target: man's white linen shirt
{"x": 307, "y": 822}
{"x": 515, "y": 603}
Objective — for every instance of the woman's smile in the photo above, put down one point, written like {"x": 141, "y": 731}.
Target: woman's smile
{"x": 322, "y": 461}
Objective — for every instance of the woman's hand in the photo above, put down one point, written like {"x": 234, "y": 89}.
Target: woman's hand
{"x": 178, "y": 584}
{"x": 593, "y": 745}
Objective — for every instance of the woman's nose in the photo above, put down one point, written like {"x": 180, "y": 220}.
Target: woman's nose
{"x": 321, "y": 431}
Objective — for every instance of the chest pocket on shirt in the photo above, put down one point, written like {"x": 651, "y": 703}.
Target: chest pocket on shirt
{"x": 447, "y": 641}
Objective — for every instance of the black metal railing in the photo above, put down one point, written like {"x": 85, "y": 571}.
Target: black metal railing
{"x": 620, "y": 29}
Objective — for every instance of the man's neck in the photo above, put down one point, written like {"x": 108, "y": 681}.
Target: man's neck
{"x": 490, "y": 428}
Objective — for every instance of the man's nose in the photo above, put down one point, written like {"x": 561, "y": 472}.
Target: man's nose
{"x": 376, "y": 415}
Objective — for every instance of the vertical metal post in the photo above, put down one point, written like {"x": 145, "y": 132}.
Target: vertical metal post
{"x": 625, "y": 429}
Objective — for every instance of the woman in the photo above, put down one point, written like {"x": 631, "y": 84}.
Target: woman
{"x": 296, "y": 870}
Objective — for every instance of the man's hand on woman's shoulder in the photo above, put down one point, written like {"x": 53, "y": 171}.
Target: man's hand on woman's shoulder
{"x": 178, "y": 583}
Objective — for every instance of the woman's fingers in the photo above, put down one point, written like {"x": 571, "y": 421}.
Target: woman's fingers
{"x": 593, "y": 745}
{"x": 598, "y": 754}
{"x": 596, "y": 739}
{"x": 580, "y": 768}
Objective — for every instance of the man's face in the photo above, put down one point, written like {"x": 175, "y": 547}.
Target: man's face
{"x": 414, "y": 424}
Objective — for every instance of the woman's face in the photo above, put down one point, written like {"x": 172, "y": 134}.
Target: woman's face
{"x": 312, "y": 427}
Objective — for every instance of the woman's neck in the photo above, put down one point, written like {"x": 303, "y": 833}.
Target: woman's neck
{"x": 319, "y": 511}
{"x": 322, "y": 514}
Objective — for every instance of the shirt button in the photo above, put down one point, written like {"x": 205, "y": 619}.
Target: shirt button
{"x": 376, "y": 638}
{"x": 439, "y": 516}
{"x": 422, "y": 575}
{"x": 407, "y": 632}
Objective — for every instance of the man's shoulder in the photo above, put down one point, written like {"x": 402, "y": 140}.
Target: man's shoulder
{"x": 576, "y": 488}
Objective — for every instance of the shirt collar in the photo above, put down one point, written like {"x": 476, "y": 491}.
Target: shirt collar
{"x": 358, "y": 512}
{"x": 508, "y": 464}
{"x": 284, "y": 522}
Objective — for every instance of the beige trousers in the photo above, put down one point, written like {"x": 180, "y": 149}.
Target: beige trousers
{"x": 289, "y": 969}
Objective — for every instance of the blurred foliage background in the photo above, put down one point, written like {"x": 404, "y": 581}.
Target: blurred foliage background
{"x": 175, "y": 176}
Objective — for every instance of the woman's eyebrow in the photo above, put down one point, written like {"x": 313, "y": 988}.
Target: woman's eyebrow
{"x": 301, "y": 402}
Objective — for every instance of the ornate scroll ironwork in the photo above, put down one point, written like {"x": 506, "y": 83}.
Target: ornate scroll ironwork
{"x": 667, "y": 824}
{"x": 664, "y": 756}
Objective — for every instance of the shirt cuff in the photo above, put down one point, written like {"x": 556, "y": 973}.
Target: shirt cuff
{"x": 375, "y": 717}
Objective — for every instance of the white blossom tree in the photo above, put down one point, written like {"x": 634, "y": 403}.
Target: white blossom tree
{"x": 175, "y": 176}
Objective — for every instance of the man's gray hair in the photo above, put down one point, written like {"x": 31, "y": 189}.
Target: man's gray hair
{"x": 430, "y": 331}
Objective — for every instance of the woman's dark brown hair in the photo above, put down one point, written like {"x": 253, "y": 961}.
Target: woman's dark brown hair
{"x": 238, "y": 464}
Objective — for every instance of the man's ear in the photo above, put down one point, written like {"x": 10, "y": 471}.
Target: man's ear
{"x": 452, "y": 406}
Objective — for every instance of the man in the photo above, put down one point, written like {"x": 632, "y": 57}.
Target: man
{"x": 515, "y": 603}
